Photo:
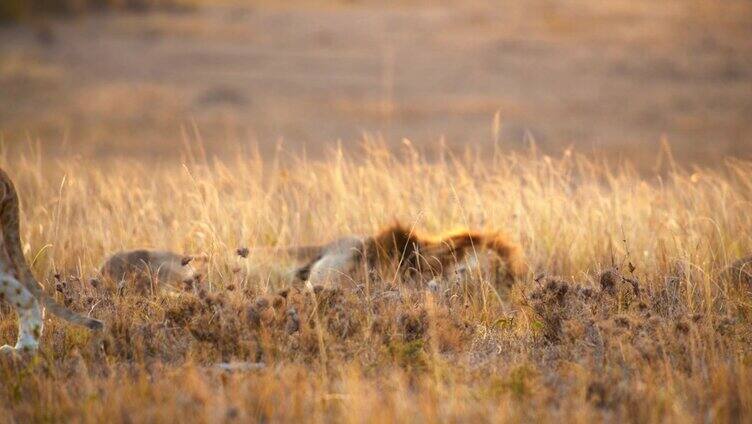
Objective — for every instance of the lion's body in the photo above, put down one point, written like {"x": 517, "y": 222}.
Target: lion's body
{"x": 446, "y": 257}
{"x": 148, "y": 271}
{"x": 18, "y": 285}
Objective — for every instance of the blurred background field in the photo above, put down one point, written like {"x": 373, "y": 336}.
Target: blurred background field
{"x": 140, "y": 77}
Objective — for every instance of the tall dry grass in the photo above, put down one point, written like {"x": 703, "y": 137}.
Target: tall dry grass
{"x": 567, "y": 346}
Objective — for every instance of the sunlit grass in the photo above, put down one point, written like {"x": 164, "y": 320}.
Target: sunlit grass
{"x": 679, "y": 350}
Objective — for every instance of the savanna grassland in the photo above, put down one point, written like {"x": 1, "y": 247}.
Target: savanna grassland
{"x": 611, "y": 140}
{"x": 616, "y": 76}
{"x": 665, "y": 338}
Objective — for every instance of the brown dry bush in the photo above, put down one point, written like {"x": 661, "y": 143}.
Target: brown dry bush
{"x": 643, "y": 328}
{"x": 21, "y": 10}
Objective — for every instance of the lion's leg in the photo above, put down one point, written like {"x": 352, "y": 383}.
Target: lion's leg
{"x": 331, "y": 269}
{"x": 30, "y": 320}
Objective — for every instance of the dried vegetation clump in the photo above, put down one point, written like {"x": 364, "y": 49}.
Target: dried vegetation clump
{"x": 30, "y": 10}
{"x": 649, "y": 319}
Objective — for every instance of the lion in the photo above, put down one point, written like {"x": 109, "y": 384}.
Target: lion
{"x": 17, "y": 283}
{"x": 150, "y": 271}
{"x": 436, "y": 259}
{"x": 739, "y": 272}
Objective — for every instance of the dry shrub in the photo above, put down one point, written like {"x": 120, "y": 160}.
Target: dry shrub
{"x": 659, "y": 335}
{"x": 20, "y": 10}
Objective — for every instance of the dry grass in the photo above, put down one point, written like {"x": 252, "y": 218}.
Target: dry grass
{"x": 21, "y": 10}
{"x": 668, "y": 341}
{"x": 619, "y": 75}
